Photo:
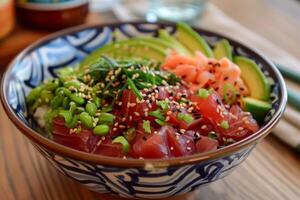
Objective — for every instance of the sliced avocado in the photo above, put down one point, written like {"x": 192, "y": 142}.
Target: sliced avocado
{"x": 130, "y": 48}
{"x": 223, "y": 49}
{"x": 165, "y": 35}
{"x": 254, "y": 78}
{"x": 192, "y": 40}
{"x": 256, "y": 107}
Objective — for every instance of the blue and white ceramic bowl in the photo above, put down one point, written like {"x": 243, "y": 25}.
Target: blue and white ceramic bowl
{"x": 132, "y": 178}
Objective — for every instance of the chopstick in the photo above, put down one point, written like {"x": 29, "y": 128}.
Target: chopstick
{"x": 289, "y": 73}
{"x": 293, "y": 96}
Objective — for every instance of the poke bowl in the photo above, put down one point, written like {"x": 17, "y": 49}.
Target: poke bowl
{"x": 129, "y": 138}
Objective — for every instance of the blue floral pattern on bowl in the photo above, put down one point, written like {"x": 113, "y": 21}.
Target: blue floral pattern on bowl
{"x": 42, "y": 62}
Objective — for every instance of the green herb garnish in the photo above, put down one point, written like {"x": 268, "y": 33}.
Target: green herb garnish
{"x": 163, "y": 104}
{"x": 185, "y": 117}
{"x": 224, "y": 124}
{"x": 122, "y": 140}
{"x": 146, "y": 126}
{"x": 134, "y": 89}
{"x": 203, "y": 93}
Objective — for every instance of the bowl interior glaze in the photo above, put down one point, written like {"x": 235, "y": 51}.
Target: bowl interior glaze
{"x": 41, "y": 60}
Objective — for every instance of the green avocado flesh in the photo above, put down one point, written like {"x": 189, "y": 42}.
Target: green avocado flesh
{"x": 192, "y": 40}
{"x": 223, "y": 49}
{"x": 131, "y": 48}
{"x": 256, "y": 107}
{"x": 164, "y": 35}
{"x": 254, "y": 78}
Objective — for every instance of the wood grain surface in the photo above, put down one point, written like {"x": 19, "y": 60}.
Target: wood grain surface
{"x": 272, "y": 170}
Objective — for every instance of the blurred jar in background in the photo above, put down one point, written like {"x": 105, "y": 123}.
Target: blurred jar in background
{"x": 174, "y": 11}
{"x": 51, "y": 14}
{"x": 6, "y": 17}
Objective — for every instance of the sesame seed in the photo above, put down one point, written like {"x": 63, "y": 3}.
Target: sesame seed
{"x": 188, "y": 148}
{"x": 99, "y": 143}
{"x": 188, "y": 141}
{"x": 133, "y": 104}
{"x": 115, "y": 129}
{"x": 182, "y": 130}
{"x": 120, "y": 103}
{"x": 203, "y": 127}
{"x": 171, "y": 148}
{"x": 240, "y": 128}
{"x": 137, "y": 114}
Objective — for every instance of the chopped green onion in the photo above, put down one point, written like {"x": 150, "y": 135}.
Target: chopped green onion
{"x": 106, "y": 118}
{"x": 157, "y": 114}
{"x": 163, "y": 104}
{"x": 160, "y": 122}
{"x": 122, "y": 140}
{"x": 67, "y": 115}
{"x": 229, "y": 88}
{"x": 86, "y": 119}
{"x": 78, "y": 130}
{"x": 101, "y": 130}
{"x": 134, "y": 89}
{"x": 91, "y": 108}
{"x": 146, "y": 126}
{"x": 185, "y": 117}
{"x": 224, "y": 124}
{"x": 203, "y": 93}
{"x": 212, "y": 135}
{"x": 129, "y": 134}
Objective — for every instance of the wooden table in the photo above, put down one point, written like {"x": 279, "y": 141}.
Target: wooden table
{"x": 270, "y": 172}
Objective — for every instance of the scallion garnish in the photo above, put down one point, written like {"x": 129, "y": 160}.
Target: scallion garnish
{"x": 163, "y": 104}
{"x": 203, "y": 93}
{"x": 213, "y": 135}
{"x": 224, "y": 124}
{"x": 122, "y": 140}
{"x": 157, "y": 114}
{"x": 185, "y": 117}
{"x": 146, "y": 126}
{"x": 160, "y": 122}
{"x": 134, "y": 89}
{"x": 229, "y": 93}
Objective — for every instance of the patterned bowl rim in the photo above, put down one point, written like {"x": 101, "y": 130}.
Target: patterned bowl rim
{"x": 119, "y": 162}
